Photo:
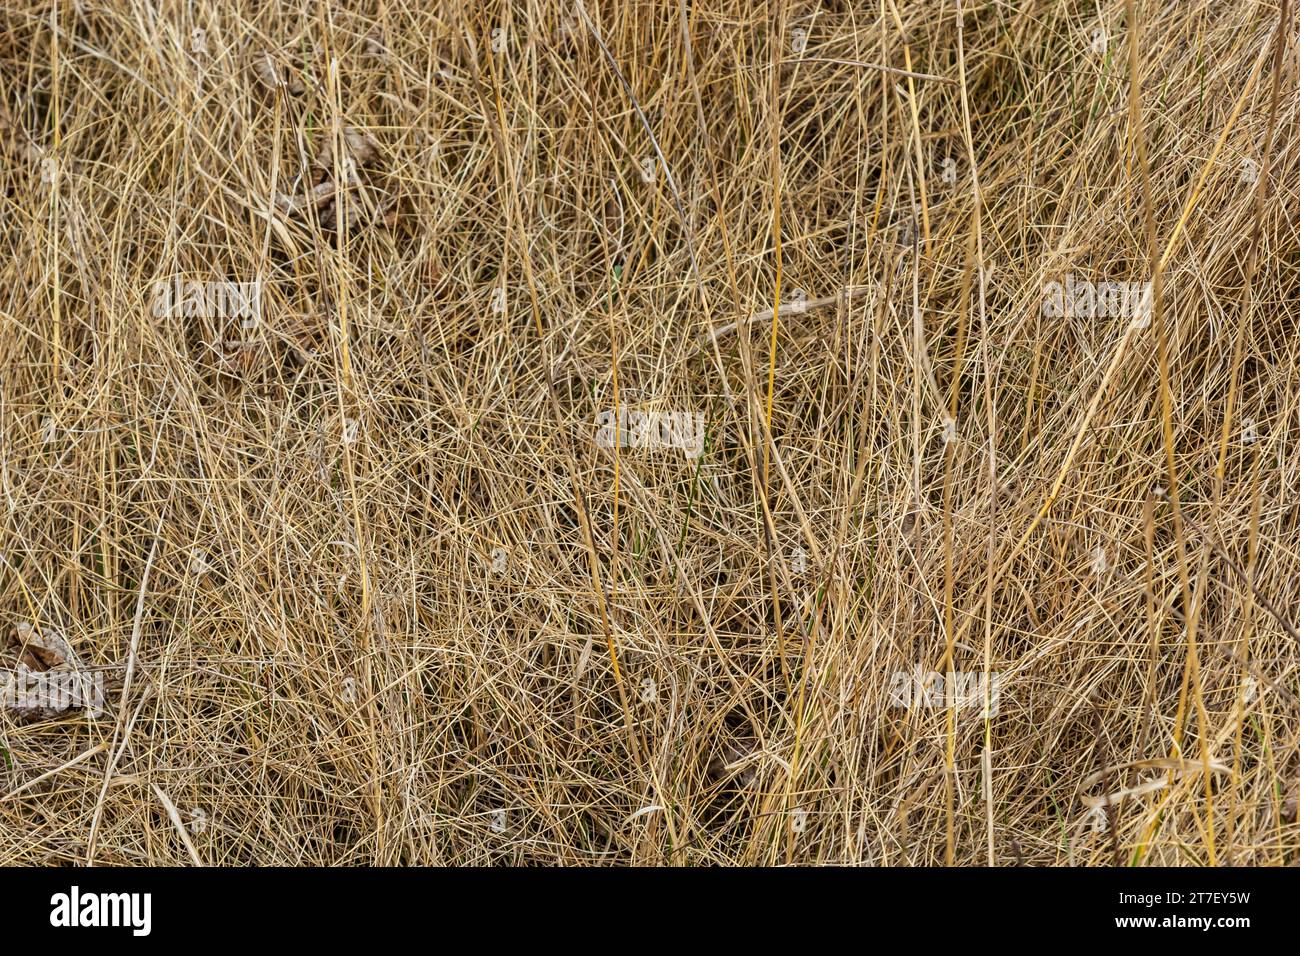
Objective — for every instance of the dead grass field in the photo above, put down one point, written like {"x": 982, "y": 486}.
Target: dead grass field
{"x": 364, "y": 587}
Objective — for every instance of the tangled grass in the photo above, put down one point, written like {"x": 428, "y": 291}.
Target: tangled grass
{"x": 368, "y": 591}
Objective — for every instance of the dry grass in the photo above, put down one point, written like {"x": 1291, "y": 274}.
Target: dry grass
{"x": 472, "y": 635}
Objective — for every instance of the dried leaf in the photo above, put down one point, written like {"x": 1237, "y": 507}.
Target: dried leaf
{"x": 360, "y": 147}
{"x": 42, "y": 650}
{"x": 732, "y": 763}
{"x": 44, "y": 654}
{"x": 272, "y": 76}
{"x": 318, "y": 196}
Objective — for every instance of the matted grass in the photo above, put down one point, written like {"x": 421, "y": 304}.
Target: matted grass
{"x": 367, "y": 589}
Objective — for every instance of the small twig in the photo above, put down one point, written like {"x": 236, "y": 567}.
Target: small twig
{"x": 118, "y": 730}
{"x": 50, "y": 773}
{"x": 790, "y": 308}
